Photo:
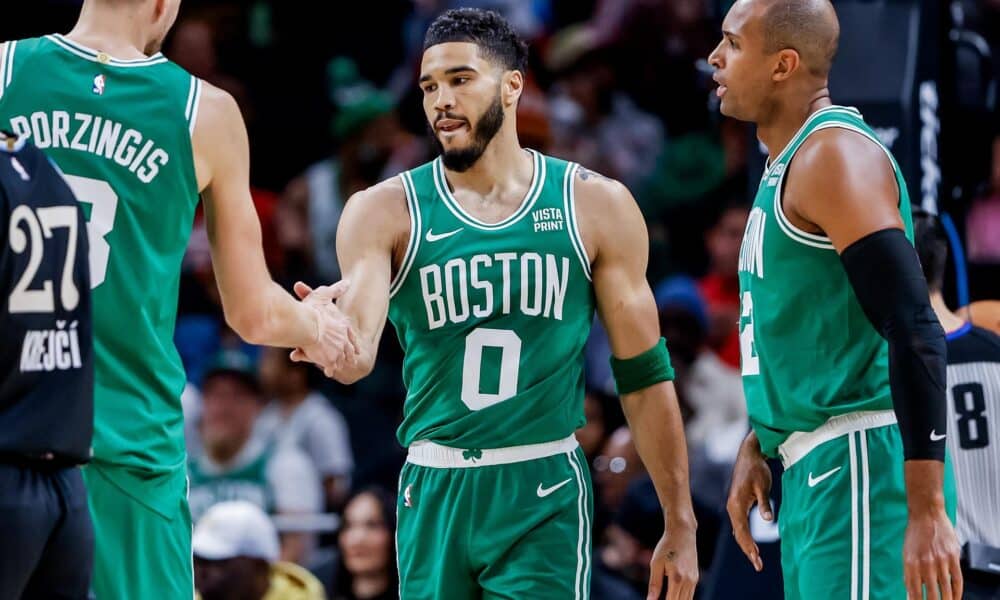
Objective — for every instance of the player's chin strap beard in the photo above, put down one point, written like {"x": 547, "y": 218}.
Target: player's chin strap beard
{"x": 486, "y": 128}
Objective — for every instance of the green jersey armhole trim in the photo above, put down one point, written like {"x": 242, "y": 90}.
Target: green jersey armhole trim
{"x": 415, "y": 227}
{"x": 811, "y": 239}
{"x": 795, "y": 138}
{"x": 569, "y": 205}
{"x": 534, "y": 191}
{"x": 95, "y": 56}
{"x": 794, "y": 233}
{"x": 193, "y": 100}
{"x": 6, "y": 65}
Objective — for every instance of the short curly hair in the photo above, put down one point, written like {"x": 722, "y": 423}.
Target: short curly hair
{"x": 484, "y": 28}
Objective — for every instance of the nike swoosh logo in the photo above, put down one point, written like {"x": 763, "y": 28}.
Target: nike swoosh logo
{"x": 937, "y": 438}
{"x": 433, "y": 237}
{"x": 543, "y": 492}
{"x": 814, "y": 481}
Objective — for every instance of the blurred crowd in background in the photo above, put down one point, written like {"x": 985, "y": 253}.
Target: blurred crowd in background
{"x": 329, "y": 94}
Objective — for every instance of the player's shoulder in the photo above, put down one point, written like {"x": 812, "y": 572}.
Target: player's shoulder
{"x": 607, "y": 214}
{"x": 837, "y": 154}
{"x": 387, "y": 196}
{"x": 599, "y": 196}
{"x": 217, "y": 109}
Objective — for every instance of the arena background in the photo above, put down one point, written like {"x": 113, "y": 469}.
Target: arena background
{"x": 622, "y": 86}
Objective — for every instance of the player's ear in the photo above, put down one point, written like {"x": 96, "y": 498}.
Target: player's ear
{"x": 511, "y": 87}
{"x": 788, "y": 61}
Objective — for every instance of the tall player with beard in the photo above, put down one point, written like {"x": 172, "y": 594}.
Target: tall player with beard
{"x": 139, "y": 139}
{"x": 490, "y": 261}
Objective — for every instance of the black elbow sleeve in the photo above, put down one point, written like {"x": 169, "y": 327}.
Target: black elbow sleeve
{"x": 885, "y": 274}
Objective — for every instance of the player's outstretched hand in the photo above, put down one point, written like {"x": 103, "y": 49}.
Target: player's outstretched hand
{"x": 336, "y": 347}
{"x": 751, "y": 485}
{"x": 676, "y": 557}
{"x": 931, "y": 557}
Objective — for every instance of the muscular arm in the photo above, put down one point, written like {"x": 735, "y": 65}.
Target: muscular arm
{"x": 844, "y": 185}
{"x": 256, "y": 308}
{"x": 374, "y": 224}
{"x": 841, "y": 183}
{"x": 615, "y": 234}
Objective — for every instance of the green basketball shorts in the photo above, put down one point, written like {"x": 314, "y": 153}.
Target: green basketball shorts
{"x": 142, "y": 544}
{"x": 501, "y": 523}
{"x": 843, "y": 513}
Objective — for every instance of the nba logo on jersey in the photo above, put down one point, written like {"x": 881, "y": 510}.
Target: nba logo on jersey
{"x": 98, "y": 85}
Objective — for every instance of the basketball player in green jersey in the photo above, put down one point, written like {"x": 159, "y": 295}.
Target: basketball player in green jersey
{"x": 490, "y": 261}
{"x": 843, "y": 363}
{"x": 138, "y": 139}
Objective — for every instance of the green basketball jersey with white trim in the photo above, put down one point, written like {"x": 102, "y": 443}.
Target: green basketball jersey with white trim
{"x": 492, "y": 317}
{"x": 808, "y": 351}
{"x": 208, "y": 485}
{"x": 121, "y": 133}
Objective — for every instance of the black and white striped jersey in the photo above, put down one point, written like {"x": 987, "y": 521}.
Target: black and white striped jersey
{"x": 974, "y": 431}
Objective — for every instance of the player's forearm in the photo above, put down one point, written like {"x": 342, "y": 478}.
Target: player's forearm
{"x": 658, "y": 431}
{"x": 362, "y": 366}
{"x": 273, "y": 318}
{"x": 924, "y": 485}
{"x": 885, "y": 275}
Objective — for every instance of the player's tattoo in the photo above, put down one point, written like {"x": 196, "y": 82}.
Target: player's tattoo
{"x": 671, "y": 555}
{"x": 586, "y": 174}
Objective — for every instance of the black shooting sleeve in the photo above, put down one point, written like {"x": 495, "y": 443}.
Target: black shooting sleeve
{"x": 885, "y": 273}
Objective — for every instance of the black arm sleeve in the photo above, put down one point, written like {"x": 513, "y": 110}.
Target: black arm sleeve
{"x": 885, "y": 273}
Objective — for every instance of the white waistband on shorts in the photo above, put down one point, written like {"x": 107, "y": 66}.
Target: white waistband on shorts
{"x": 430, "y": 454}
{"x": 801, "y": 443}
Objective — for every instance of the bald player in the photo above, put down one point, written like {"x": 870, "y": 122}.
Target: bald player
{"x": 843, "y": 360}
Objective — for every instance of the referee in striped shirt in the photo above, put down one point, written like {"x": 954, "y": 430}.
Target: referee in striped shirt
{"x": 973, "y": 421}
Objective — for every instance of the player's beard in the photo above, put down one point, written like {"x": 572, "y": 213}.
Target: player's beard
{"x": 462, "y": 159}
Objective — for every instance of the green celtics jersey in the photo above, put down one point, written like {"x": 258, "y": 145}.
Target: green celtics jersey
{"x": 121, "y": 133}
{"x": 808, "y": 351}
{"x": 492, "y": 317}
{"x": 210, "y": 484}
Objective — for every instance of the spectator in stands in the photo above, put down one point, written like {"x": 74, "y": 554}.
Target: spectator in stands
{"x": 372, "y": 146}
{"x": 367, "y": 565}
{"x": 594, "y": 432}
{"x": 236, "y": 558}
{"x": 720, "y": 287}
{"x": 299, "y": 414}
{"x": 598, "y": 126}
{"x": 616, "y": 467}
{"x": 234, "y": 465}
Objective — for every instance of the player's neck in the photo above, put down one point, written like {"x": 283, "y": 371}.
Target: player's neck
{"x": 786, "y": 118}
{"x": 115, "y": 32}
{"x": 949, "y": 320}
{"x": 503, "y": 165}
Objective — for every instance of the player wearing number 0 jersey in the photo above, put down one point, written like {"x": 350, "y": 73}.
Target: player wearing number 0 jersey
{"x": 490, "y": 262}
{"x": 138, "y": 138}
{"x": 485, "y": 312}
{"x": 843, "y": 362}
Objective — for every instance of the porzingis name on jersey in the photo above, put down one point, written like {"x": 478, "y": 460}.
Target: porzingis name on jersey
{"x": 94, "y": 134}
{"x": 466, "y": 287}
{"x": 51, "y": 349}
